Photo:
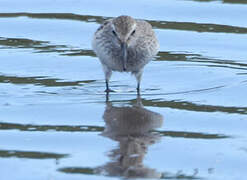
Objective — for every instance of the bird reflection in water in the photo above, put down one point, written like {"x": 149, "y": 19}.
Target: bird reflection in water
{"x": 131, "y": 126}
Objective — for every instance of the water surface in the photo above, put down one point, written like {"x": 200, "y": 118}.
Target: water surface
{"x": 57, "y": 123}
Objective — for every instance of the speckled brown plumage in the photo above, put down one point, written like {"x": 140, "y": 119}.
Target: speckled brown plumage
{"x": 125, "y": 44}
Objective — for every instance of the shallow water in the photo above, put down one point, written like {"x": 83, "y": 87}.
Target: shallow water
{"x": 57, "y": 123}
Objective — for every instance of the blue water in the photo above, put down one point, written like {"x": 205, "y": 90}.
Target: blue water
{"x": 57, "y": 123}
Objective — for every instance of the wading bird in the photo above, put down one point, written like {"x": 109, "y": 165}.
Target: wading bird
{"x": 125, "y": 44}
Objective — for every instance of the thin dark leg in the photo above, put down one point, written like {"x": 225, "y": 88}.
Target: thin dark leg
{"x": 108, "y": 73}
{"x": 138, "y": 88}
{"x": 138, "y": 76}
{"x": 107, "y": 87}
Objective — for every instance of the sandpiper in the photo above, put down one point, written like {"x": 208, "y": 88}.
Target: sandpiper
{"x": 125, "y": 44}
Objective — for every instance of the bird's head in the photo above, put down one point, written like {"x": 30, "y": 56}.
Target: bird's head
{"x": 123, "y": 29}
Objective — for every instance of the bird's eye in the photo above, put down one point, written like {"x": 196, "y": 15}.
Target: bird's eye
{"x": 113, "y": 32}
{"x": 133, "y": 32}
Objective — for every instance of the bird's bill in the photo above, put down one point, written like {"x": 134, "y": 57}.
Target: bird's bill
{"x": 124, "y": 54}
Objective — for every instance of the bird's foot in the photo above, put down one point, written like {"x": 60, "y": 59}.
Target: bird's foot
{"x": 109, "y": 90}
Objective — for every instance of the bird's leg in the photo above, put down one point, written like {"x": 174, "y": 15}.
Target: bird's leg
{"x": 138, "y": 87}
{"x": 108, "y": 74}
{"x": 138, "y": 76}
{"x": 107, "y": 85}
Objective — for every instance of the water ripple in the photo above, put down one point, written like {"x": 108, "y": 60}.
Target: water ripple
{"x": 185, "y": 26}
